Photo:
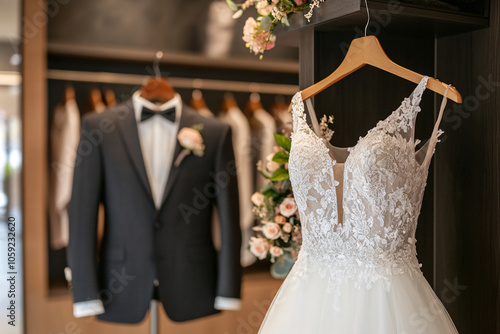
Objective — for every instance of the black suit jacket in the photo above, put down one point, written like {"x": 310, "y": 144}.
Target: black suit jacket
{"x": 140, "y": 242}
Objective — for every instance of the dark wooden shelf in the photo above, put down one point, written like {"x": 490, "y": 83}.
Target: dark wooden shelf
{"x": 100, "y": 52}
{"x": 390, "y": 16}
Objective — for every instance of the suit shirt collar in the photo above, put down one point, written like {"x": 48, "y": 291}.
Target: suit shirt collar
{"x": 139, "y": 102}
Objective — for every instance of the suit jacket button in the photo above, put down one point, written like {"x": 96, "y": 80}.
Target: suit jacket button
{"x": 157, "y": 224}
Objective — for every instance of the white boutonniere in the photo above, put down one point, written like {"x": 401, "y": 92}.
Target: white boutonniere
{"x": 191, "y": 142}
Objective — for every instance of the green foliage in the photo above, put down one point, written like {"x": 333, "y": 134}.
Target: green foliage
{"x": 281, "y": 157}
{"x": 283, "y": 142}
{"x": 232, "y": 5}
{"x": 279, "y": 174}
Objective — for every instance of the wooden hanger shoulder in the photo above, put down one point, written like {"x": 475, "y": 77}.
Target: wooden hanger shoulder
{"x": 368, "y": 51}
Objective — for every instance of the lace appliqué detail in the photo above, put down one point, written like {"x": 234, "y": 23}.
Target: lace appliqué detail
{"x": 383, "y": 186}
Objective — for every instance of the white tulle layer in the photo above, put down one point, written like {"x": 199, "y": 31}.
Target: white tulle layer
{"x": 411, "y": 306}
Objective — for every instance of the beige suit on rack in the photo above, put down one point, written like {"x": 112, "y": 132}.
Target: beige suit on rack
{"x": 242, "y": 151}
{"x": 64, "y": 138}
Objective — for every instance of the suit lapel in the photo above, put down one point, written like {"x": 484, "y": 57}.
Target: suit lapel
{"x": 130, "y": 136}
{"x": 187, "y": 120}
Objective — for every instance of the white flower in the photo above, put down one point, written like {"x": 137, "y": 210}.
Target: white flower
{"x": 287, "y": 228}
{"x": 272, "y": 166}
{"x": 276, "y": 251}
{"x": 271, "y": 230}
{"x": 263, "y": 8}
{"x": 259, "y": 247}
{"x": 191, "y": 140}
{"x": 257, "y": 198}
{"x": 288, "y": 207}
{"x": 249, "y": 30}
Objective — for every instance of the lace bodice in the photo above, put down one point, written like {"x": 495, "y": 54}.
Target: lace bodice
{"x": 359, "y": 216}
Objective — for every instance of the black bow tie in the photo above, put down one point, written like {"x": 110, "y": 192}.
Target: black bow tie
{"x": 168, "y": 114}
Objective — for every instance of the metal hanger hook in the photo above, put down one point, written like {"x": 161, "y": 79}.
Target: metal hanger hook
{"x": 156, "y": 64}
{"x": 368, "y": 13}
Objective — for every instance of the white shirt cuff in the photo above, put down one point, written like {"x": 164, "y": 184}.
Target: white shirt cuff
{"x": 88, "y": 308}
{"x": 225, "y": 303}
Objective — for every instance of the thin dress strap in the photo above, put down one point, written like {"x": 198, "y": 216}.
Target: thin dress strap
{"x": 436, "y": 132}
{"x": 297, "y": 110}
{"x": 298, "y": 113}
{"x": 314, "y": 119}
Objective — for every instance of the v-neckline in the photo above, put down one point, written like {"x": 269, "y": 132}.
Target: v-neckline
{"x": 328, "y": 146}
{"x": 350, "y": 149}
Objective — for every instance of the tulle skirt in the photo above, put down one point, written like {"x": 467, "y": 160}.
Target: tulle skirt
{"x": 304, "y": 306}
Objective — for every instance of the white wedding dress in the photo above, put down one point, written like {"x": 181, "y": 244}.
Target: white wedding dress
{"x": 357, "y": 271}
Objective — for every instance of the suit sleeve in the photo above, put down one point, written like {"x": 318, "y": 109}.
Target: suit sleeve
{"x": 83, "y": 213}
{"x": 229, "y": 271}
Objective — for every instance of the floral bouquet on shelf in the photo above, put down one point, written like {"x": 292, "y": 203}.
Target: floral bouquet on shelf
{"x": 258, "y": 33}
{"x": 279, "y": 236}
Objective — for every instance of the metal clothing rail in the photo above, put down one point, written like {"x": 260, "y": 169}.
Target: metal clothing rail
{"x": 187, "y": 83}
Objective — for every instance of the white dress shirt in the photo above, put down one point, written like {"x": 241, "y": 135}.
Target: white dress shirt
{"x": 242, "y": 151}
{"x": 157, "y": 129}
{"x": 157, "y": 160}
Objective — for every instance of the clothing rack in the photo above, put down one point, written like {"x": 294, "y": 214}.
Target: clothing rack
{"x": 187, "y": 83}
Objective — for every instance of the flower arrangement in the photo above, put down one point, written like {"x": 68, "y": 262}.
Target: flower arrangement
{"x": 258, "y": 33}
{"x": 279, "y": 234}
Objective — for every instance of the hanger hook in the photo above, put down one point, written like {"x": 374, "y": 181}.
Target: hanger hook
{"x": 368, "y": 13}
{"x": 156, "y": 64}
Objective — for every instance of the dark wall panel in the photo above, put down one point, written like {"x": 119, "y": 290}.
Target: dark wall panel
{"x": 467, "y": 184}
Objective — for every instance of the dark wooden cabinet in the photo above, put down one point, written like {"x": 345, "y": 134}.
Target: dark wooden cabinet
{"x": 459, "y": 226}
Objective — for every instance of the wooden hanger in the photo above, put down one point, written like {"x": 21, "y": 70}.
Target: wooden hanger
{"x": 228, "y": 102}
{"x": 95, "y": 101}
{"x": 69, "y": 93}
{"x": 368, "y": 51}
{"x": 278, "y": 106}
{"x": 253, "y": 104}
{"x": 157, "y": 88}
{"x": 197, "y": 100}
{"x": 109, "y": 97}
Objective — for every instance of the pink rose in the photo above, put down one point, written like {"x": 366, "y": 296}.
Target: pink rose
{"x": 257, "y": 198}
{"x": 249, "y": 30}
{"x": 287, "y": 228}
{"x": 259, "y": 247}
{"x": 276, "y": 251}
{"x": 271, "y": 43}
{"x": 288, "y": 207}
{"x": 300, "y": 2}
{"x": 271, "y": 230}
{"x": 256, "y": 38}
{"x": 263, "y": 8}
{"x": 191, "y": 140}
{"x": 279, "y": 219}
